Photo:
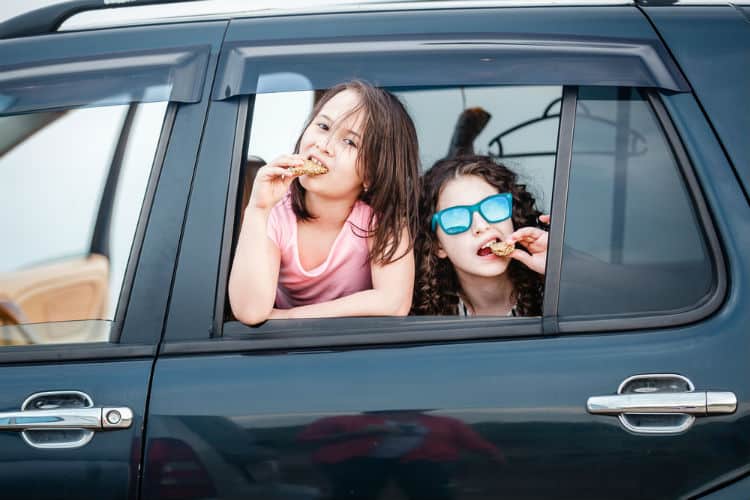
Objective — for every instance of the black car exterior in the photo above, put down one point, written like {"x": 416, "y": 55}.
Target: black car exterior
{"x": 633, "y": 384}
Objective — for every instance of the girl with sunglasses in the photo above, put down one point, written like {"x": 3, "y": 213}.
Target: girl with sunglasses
{"x": 468, "y": 203}
{"x": 340, "y": 243}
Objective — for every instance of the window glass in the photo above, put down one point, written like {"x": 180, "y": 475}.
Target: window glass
{"x": 53, "y": 170}
{"x": 632, "y": 240}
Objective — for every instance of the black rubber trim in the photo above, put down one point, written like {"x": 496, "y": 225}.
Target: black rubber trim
{"x": 231, "y": 216}
{"x": 559, "y": 208}
{"x": 348, "y": 333}
{"x": 140, "y": 228}
{"x": 715, "y": 297}
{"x": 94, "y": 351}
{"x": 100, "y": 239}
{"x": 528, "y": 59}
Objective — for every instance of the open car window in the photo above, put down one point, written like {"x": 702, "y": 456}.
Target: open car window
{"x": 446, "y": 125}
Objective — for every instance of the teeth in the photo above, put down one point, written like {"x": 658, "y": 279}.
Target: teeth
{"x": 314, "y": 160}
{"x": 486, "y": 245}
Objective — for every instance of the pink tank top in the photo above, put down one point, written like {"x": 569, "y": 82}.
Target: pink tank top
{"x": 345, "y": 271}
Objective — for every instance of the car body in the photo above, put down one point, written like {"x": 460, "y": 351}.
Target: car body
{"x": 629, "y": 119}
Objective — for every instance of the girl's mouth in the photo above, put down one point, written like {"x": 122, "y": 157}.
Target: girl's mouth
{"x": 485, "y": 249}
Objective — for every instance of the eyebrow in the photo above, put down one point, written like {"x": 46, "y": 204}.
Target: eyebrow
{"x": 345, "y": 130}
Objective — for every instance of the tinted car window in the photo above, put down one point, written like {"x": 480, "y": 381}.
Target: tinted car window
{"x": 67, "y": 238}
{"x": 633, "y": 243}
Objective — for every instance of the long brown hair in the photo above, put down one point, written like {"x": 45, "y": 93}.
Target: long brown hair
{"x": 388, "y": 161}
{"x": 437, "y": 287}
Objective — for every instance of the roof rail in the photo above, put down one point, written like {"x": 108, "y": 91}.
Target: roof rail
{"x": 48, "y": 19}
{"x": 91, "y": 14}
{"x": 230, "y": 9}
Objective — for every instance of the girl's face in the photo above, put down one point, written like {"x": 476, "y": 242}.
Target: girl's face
{"x": 465, "y": 250}
{"x": 332, "y": 139}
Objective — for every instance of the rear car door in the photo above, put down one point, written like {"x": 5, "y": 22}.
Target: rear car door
{"x": 631, "y": 384}
{"x": 99, "y": 134}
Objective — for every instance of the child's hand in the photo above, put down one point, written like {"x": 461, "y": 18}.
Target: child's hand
{"x": 534, "y": 240}
{"x": 272, "y": 182}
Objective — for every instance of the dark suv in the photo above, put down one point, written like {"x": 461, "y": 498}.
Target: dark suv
{"x": 129, "y": 137}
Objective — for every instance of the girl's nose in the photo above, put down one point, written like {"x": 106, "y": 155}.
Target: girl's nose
{"x": 478, "y": 224}
{"x": 322, "y": 143}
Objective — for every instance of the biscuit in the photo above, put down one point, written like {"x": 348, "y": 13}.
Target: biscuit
{"x": 502, "y": 249}
{"x": 309, "y": 168}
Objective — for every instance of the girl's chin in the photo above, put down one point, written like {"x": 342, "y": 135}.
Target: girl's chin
{"x": 491, "y": 265}
{"x": 315, "y": 184}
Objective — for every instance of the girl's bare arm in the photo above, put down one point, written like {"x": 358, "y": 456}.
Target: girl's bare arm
{"x": 255, "y": 270}
{"x": 391, "y": 293}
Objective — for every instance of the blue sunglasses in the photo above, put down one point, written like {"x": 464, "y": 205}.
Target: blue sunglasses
{"x": 457, "y": 219}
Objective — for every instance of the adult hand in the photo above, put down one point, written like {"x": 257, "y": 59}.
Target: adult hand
{"x": 272, "y": 182}
{"x": 534, "y": 240}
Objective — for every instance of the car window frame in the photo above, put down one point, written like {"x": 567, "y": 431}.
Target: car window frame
{"x": 196, "y": 316}
{"x": 311, "y": 333}
{"x": 706, "y": 305}
{"x": 113, "y": 348}
{"x": 138, "y": 323}
{"x": 275, "y": 334}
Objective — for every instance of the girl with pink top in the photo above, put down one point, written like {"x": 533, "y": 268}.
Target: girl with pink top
{"x": 341, "y": 243}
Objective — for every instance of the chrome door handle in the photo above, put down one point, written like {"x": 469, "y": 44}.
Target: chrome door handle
{"x": 95, "y": 419}
{"x": 63, "y": 419}
{"x": 691, "y": 403}
{"x": 660, "y": 403}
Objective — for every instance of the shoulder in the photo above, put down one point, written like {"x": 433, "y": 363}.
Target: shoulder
{"x": 281, "y": 220}
{"x": 361, "y": 214}
{"x": 282, "y": 212}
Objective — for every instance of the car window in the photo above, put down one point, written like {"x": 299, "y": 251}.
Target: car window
{"x": 519, "y": 128}
{"x": 69, "y": 218}
{"x": 633, "y": 244}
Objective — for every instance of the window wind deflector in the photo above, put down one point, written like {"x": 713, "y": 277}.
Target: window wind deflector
{"x": 175, "y": 75}
{"x": 636, "y": 141}
{"x": 445, "y": 60}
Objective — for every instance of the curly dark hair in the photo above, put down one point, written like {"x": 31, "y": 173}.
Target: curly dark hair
{"x": 436, "y": 291}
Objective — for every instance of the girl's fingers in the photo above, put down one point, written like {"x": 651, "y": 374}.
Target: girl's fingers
{"x": 527, "y": 234}
{"x": 534, "y": 263}
{"x": 522, "y": 257}
{"x": 544, "y": 218}
{"x": 287, "y": 161}
{"x": 270, "y": 172}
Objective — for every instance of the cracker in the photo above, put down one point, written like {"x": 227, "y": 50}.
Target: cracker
{"x": 309, "y": 168}
{"x": 502, "y": 249}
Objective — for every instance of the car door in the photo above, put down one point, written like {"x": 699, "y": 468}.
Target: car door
{"x": 631, "y": 383}
{"x": 99, "y": 139}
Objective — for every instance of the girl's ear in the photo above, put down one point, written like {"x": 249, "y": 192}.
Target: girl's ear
{"x": 440, "y": 252}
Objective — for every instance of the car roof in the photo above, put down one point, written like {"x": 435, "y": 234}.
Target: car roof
{"x": 76, "y": 15}
{"x": 229, "y": 9}
{"x": 79, "y": 15}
